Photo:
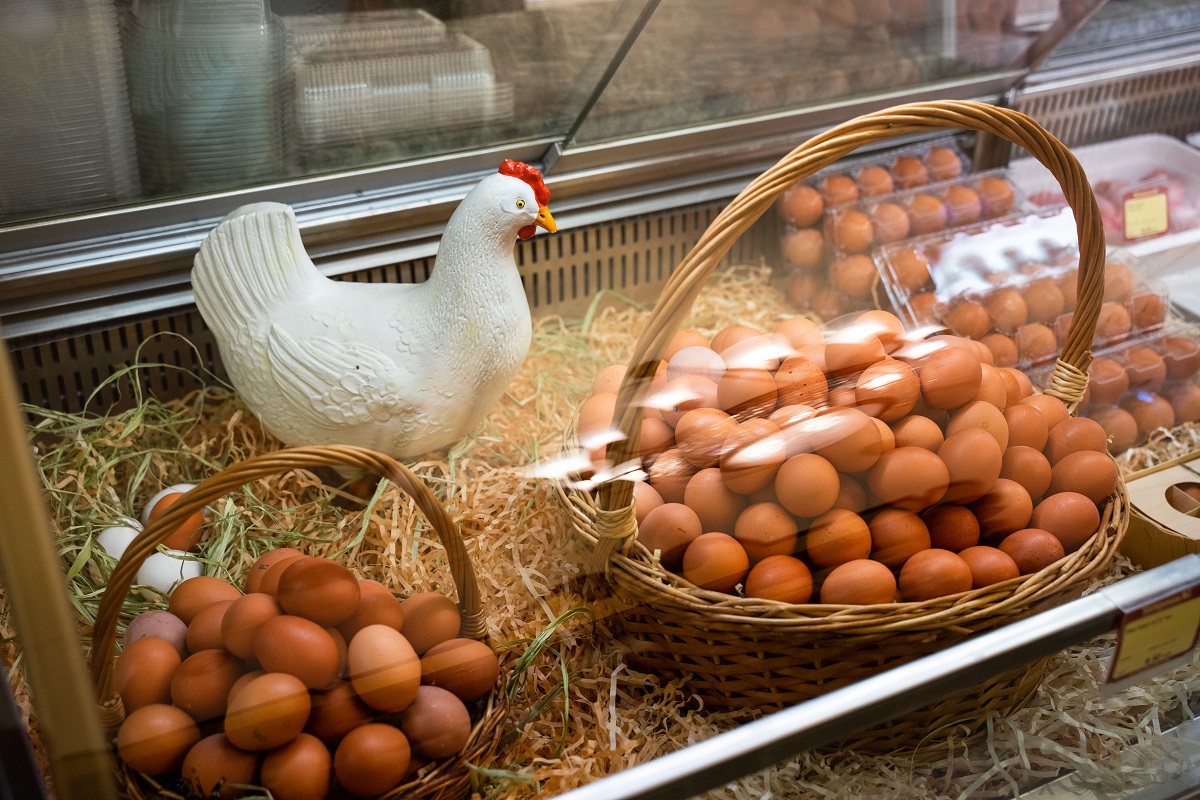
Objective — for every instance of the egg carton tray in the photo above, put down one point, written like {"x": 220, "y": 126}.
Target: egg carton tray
{"x": 330, "y": 37}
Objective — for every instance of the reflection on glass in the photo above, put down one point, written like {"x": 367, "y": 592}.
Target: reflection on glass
{"x": 702, "y": 61}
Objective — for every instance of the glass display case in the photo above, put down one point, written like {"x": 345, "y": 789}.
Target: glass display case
{"x": 139, "y": 124}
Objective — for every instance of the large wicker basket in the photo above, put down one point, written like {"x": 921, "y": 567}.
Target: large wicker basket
{"x": 756, "y": 654}
{"x": 449, "y": 779}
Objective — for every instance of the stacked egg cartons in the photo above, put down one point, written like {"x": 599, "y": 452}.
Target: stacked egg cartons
{"x": 385, "y": 74}
{"x": 834, "y": 219}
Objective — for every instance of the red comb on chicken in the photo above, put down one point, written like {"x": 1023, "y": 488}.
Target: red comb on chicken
{"x": 533, "y": 177}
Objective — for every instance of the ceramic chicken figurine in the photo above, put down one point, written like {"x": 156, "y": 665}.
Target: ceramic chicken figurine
{"x": 400, "y": 368}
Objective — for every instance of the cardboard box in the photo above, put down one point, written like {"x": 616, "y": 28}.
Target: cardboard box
{"x": 1164, "y": 520}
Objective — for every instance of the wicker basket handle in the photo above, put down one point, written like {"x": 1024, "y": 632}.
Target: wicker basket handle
{"x": 237, "y": 475}
{"x": 616, "y": 526}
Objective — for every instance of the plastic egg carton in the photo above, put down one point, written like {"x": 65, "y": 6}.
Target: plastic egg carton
{"x": 1142, "y": 384}
{"x": 1011, "y": 284}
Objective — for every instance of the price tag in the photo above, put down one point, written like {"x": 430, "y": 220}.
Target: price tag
{"x": 1156, "y": 634}
{"x": 1146, "y": 213}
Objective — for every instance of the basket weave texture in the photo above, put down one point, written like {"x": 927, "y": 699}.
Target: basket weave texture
{"x": 449, "y": 779}
{"x": 758, "y": 654}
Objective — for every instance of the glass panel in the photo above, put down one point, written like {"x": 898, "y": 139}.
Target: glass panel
{"x": 111, "y": 104}
{"x": 704, "y": 61}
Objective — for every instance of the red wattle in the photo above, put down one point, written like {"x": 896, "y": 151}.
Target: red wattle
{"x": 527, "y": 232}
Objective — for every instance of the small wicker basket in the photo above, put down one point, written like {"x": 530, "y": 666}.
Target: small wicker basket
{"x": 757, "y": 654}
{"x": 449, "y": 779}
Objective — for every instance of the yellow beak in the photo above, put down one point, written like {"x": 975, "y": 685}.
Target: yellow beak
{"x": 545, "y": 219}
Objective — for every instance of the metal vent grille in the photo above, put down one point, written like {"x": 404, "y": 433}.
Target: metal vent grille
{"x": 1166, "y": 101}
{"x": 562, "y": 275}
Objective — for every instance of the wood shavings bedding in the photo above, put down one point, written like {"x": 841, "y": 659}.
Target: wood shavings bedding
{"x": 95, "y": 469}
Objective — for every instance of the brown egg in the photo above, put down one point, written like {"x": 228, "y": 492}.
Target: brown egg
{"x": 909, "y": 172}
{"x": 268, "y": 583}
{"x": 910, "y": 268}
{"x": 890, "y": 223}
{"x": 1145, "y": 368}
{"x": 608, "y": 380}
{"x": 997, "y": 196}
{"x": 859, "y": 582}
{"x": 384, "y": 668}
{"x": 781, "y": 578}
{"x": 930, "y": 574}
{"x": 981, "y": 415}
{"x": 669, "y": 529}
{"x": 801, "y": 382}
{"x": 1113, "y": 323}
{"x": 1017, "y": 385}
{"x": 371, "y": 760}
{"x": 846, "y": 438}
{"x": 753, "y": 455}
{"x": 827, "y": 303}
{"x": 300, "y": 770}
{"x": 1007, "y": 310}
{"x": 974, "y": 459}
{"x": 437, "y": 723}
{"x": 917, "y": 431}
{"x": 807, "y": 485}
{"x": 1185, "y": 399}
{"x": 645, "y": 499}
{"x": 242, "y": 682}
{"x": 927, "y": 214}
{"x": 989, "y": 565}
{"x": 922, "y": 306}
{"x": 159, "y": 624}
{"x": 1044, "y": 301}
{"x": 201, "y": 683}
{"x": 968, "y": 319}
{"x": 944, "y": 164}
{"x": 766, "y": 529}
{"x": 1070, "y": 516}
{"x": 154, "y": 739}
{"x": 465, "y": 667}
{"x": 1091, "y": 474}
{"x": 1121, "y": 427}
{"x": 1035, "y": 343}
{"x": 852, "y": 231}
{"x": 950, "y": 377}
{"x": 268, "y": 712}
{"x": 800, "y": 332}
{"x": 213, "y": 762}
{"x": 874, "y": 181}
{"x": 804, "y": 248}
{"x": 1006, "y": 507}
{"x": 1053, "y": 409}
{"x": 854, "y": 275}
{"x": 1026, "y": 427}
{"x": 299, "y": 647}
{"x": 716, "y": 561}
{"x": 1182, "y": 357}
{"x": 204, "y": 633}
{"x": 851, "y": 496}
{"x": 1032, "y": 549}
{"x": 884, "y": 326}
{"x": 143, "y": 673}
{"x": 991, "y": 386}
{"x": 596, "y": 417}
{"x": 1118, "y": 283}
{"x": 1107, "y": 380}
{"x": 1002, "y": 348}
{"x": 242, "y": 619}
{"x": 669, "y": 475}
{"x": 683, "y": 394}
{"x": 1150, "y": 412}
{"x": 195, "y": 594}
{"x": 852, "y": 352}
{"x": 1147, "y": 310}
{"x": 963, "y": 205}
{"x": 911, "y": 478}
{"x": 896, "y": 535}
{"x": 885, "y": 435}
{"x": 715, "y": 504}
{"x": 700, "y": 361}
{"x": 951, "y": 527}
{"x": 187, "y": 535}
{"x": 838, "y": 190}
{"x": 1028, "y": 467}
{"x": 376, "y": 606}
{"x": 887, "y": 390}
{"x": 836, "y": 537}
{"x": 701, "y": 435}
{"x": 801, "y": 205}
{"x": 1072, "y": 435}
{"x": 747, "y": 392}
{"x": 336, "y": 711}
{"x": 343, "y": 648}
{"x": 430, "y": 618}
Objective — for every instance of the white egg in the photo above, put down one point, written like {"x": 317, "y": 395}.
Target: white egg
{"x": 181, "y": 488}
{"x": 116, "y": 539}
{"x": 164, "y": 569}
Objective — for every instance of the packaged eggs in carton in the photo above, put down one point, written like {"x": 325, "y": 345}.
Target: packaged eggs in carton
{"x": 1142, "y": 385}
{"x": 808, "y": 243}
{"x": 858, "y": 464}
{"x": 1011, "y": 284}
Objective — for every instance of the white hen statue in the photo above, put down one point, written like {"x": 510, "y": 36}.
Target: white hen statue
{"x": 400, "y": 368}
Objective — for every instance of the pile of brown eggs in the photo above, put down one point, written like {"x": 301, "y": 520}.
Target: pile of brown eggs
{"x": 310, "y": 676}
{"x": 857, "y": 467}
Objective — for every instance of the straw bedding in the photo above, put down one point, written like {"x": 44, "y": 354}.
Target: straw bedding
{"x": 581, "y": 712}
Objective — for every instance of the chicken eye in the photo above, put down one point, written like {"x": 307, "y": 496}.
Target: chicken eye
{"x": 520, "y": 203}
